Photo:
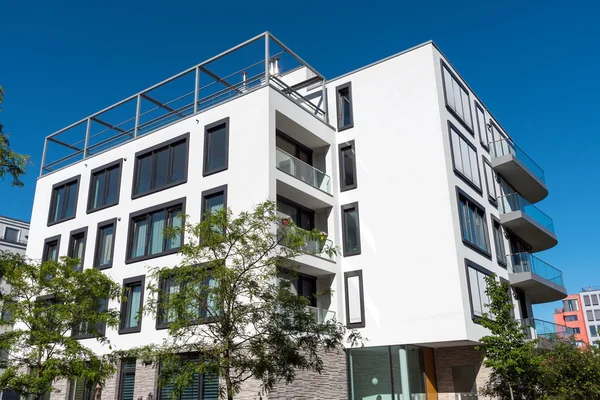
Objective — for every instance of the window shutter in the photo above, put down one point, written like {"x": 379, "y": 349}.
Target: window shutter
{"x": 191, "y": 392}
{"x": 210, "y": 387}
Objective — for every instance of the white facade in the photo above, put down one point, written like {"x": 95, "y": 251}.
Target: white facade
{"x": 590, "y": 299}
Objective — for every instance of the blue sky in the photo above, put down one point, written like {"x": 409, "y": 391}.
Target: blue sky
{"x": 534, "y": 65}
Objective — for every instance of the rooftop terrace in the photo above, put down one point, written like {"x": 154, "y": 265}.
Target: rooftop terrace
{"x": 258, "y": 62}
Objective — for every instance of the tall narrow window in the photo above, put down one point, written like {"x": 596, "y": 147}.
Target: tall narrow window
{"x": 147, "y": 237}
{"x": 77, "y": 246}
{"x": 491, "y": 183}
{"x": 594, "y": 299}
{"x": 86, "y": 330}
{"x": 590, "y": 315}
{"x": 347, "y": 166}
{"x": 11, "y": 235}
{"x": 597, "y": 315}
{"x": 484, "y": 134}
{"x": 167, "y": 314}
{"x": 473, "y": 224}
{"x": 105, "y": 186}
{"x": 593, "y": 331}
{"x": 63, "y": 201}
{"x": 586, "y": 300}
{"x": 81, "y": 389}
{"x": 345, "y": 117}
{"x": 351, "y": 229}
{"x": 477, "y": 285}
{"x": 161, "y": 167}
{"x": 213, "y": 201}
{"x": 127, "y": 381}
{"x": 464, "y": 157}
{"x": 499, "y": 242}
{"x": 51, "y": 246}
{"x": 105, "y": 243}
{"x": 355, "y": 306}
{"x": 457, "y": 98}
{"x": 216, "y": 147}
{"x": 130, "y": 309}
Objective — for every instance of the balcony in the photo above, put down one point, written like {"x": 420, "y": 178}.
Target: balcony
{"x": 317, "y": 248}
{"x": 302, "y": 171}
{"x": 545, "y": 331}
{"x": 518, "y": 169}
{"x": 527, "y": 221}
{"x": 322, "y": 315}
{"x": 541, "y": 281}
{"x": 12, "y": 240}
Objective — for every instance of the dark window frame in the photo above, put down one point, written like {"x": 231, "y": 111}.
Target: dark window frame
{"x": 479, "y": 107}
{"x": 339, "y": 108}
{"x": 146, "y": 211}
{"x": 341, "y": 148}
{"x": 502, "y": 262}
{"x": 47, "y": 241}
{"x": 457, "y": 172}
{"x": 479, "y": 268}
{"x": 210, "y": 193}
{"x": 347, "y": 275}
{"x": 298, "y": 146}
{"x": 88, "y": 335}
{"x": 81, "y": 231}
{"x": 201, "y": 376}
{"x": 493, "y": 200}
{"x": 128, "y": 282}
{"x": 17, "y": 240}
{"x": 101, "y": 225}
{"x": 207, "y": 131}
{"x": 185, "y": 138}
{"x": 103, "y": 168}
{"x": 66, "y": 182}
{"x": 344, "y": 208}
{"x": 123, "y": 373}
{"x": 460, "y": 193}
{"x": 464, "y": 87}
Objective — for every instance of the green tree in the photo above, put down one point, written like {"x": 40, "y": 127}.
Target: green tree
{"x": 11, "y": 163}
{"x": 44, "y": 303}
{"x": 230, "y": 309}
{"x": 513, "y": 360}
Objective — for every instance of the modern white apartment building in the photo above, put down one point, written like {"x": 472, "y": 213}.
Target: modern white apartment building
{"x": 399, "y": 162}
{"x": 590, "y": 297}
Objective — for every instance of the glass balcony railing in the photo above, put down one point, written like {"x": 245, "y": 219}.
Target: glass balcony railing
{"x": 300, "y": 170}
{"x": 537, "y": 328}
{"x": 516, "y": 202}
{"x": 322, "y": 315}
{"x": 311, "y": 246}
{"x": 525, "y": 262}
{"x": 505, "y": 147}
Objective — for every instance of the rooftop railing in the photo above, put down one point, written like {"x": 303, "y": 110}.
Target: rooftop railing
{"x": 590, "y": 289}
{"x": 299, "y": 169}
{"x": 516, "y": 202}
{"x": 505, "y": 147}
{"x": 526, "y": 262}
{"x": 537, "y": 328}
{"x": 258, "y": 62}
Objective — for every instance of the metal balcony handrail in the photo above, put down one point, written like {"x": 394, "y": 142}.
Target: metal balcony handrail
{"x": 506, "y": 146}
{"x": 515, "y": 202}
{"x": 20, "y": 241}
{"x": 526, "y": 262}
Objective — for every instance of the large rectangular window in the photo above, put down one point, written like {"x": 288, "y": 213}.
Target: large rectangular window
{"x": 216, "y": 147}
{"x": 457, "y": 97}
{"x": 161, "y": 167}
{"x": 51, "y": 246}
{"x": 77, "y": 240}
{"x": 81, "y": 389}
{"x": 351, "y": 229}
{"x": 464, "y": 158}
{"x": 86, "y": 330}
{"x": 63, "y": 201}
{"x": 570, "y": 318}
{"x": 203, "y": 387}
{"x": 484, "y": 134}
{"x": 105, "y": 184}
{"x": 11, "y": 235}
{"x": 571, "y": 305}
{"x": 493, "y": 188}
{"x": 499, "y": 242}
{"x": 477, "y": 286}
{"x": 105, "y": 244}
{"x": 345, "y": 116}
{"x": 147, "y": 237}
{"x": 127, "y": 381}
{"x": 355, "y": 304}
{"x": 473, "y": 224}
{"x": 348, "y": 179}
{"x": 586, "y": 300}
{"x": 131, "y": 318}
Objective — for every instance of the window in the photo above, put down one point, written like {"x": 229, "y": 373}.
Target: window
{"x": 594, "y": 299}
{"x": 464, "y": 158}
{"x": 293, "y": 148}
{"x": 204, "y": 387}
{"x": 355, "y": 306}
{"x": 130, "y": 309}
{"x": 51, "y": 246}
{"x": 147, "y": 231}
{"x": 473, "y": 224}
{"x": 593, "y": 331}
{"x": 499, "y": 242}
{"x": 81, "y": 389}
{"x": 85, "y": 330}
{"x": 571, "y": 305}
{"x": 214, "y": 200}
{"x": 590, "y": 315}
{"x": 345, "y": 117}
{"x": 348, "y": 178}
{"x": 77, "y": 246}
{"x": 570, "y": 318}
{"x": 105, "y": 244}
{"x": 11, "y": 235}
{"x": 304, "y": 285}
{"x": 105, "y": 184}
{"x": 586, "y": 300}
{"x": 161, "y": 167}
{"x": 351, "y": 229}
{"x": 493, "y": 189}
{"x": 457, "y": 98}
{"x": 484, "y": 137}
{"x": 597, "y": 315}
{"x": 303, "y": 217}
{"x": 216, "y": 147}
{"x": 477, "y": 285}
{"x": 63, "y": 202}
{"x": 127, "y": 381}
{"x": 576, "y": 330}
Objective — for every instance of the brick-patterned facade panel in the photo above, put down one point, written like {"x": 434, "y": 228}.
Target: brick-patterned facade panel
{"x": 448, "y": 357}
{"x": 145, "y": 381}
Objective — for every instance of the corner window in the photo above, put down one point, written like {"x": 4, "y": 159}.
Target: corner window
{"x": 345, "y": 117}
{"x": 216, "y": 147}
{"x": 11, "y": 235}
{"x": 464, "y": 158}
{"x": 105, "y": 243}
{"x": 351, "y": 229}
{"x": 147, "y": 227}
{"x": 105, "y": 186}
{"x": 130, "y": 309}
{"x": 355, "y": 306}
{"x": 63, "y": 201}
{"x": 491, "y": 183}
{"x": 477, "y": 286}
{"x": 161, "y": 167}
{"x": 457, "y": 98}
{"x": 127, "y": 381}
{"x": 77, "y": 246}
{"x": 51, "y": 246}
{"x": 348, "y": 178}
{"x": 473, "y": 224}
{"x": 499, "y": 242}
{"x": 484, "y": 134}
